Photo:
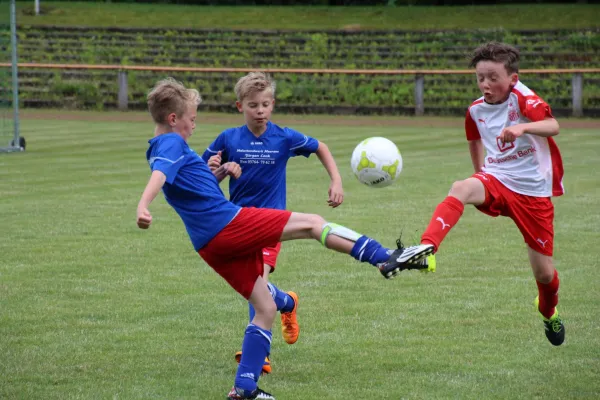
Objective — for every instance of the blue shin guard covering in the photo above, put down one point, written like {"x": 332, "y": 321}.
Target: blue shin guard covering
{"x": 283, "y": 301}
{"x": 369, "y": 250}
{"x": 256, "y": 346}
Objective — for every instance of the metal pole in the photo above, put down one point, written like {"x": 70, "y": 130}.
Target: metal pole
{"x": 15, "y": 79}
{"x": 37, "y": 7}
{"x": 122, "y": 97}
{"x": 577, "y": 94}
{"x": 419, "y": 95}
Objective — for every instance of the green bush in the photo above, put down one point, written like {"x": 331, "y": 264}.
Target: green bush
{"x": 77, "y": 94}
{"x": 375, "y": 50}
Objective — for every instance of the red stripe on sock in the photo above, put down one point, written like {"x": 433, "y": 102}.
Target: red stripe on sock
{"x": 445, "y": 216}
{"x": 548, "y": 296}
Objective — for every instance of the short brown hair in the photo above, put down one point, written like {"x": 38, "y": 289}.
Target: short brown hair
{"x": 170, "y": 96}
{"x": 254, "y": 82}
{"x": 497, "y": 52}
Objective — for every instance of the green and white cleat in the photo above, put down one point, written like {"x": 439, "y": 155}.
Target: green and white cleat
{"x": 429, "y": 264}
{"x": 555, "y": 329}
{"x": 413, "y": 257}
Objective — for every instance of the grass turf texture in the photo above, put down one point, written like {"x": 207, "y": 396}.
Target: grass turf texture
{"x": 92, "y": 307}
{"x": 524, "y": 16}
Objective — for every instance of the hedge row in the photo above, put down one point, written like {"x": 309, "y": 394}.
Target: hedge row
{"x": 298, "y": 93}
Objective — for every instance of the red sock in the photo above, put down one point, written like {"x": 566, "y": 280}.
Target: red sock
{"x": 548, "y": 296}
{"x": 445, "y": 216}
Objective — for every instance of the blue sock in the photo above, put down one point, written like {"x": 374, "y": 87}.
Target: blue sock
{"x": 283, "y": 301}
{"x": 369, "y": 250}
{"x": 256, "y": 346}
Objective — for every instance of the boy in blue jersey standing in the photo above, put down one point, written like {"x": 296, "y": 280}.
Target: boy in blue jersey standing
{"x": 262, "y": 149}
{"x": 231, "y": 238}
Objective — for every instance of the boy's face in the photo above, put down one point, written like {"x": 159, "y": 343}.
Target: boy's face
{"x": 494, "y": 82}
{"x": 257, "y": 109}
{"x": 185, "y": 124}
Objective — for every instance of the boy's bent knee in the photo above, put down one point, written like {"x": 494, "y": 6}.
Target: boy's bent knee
{"x": 543, "y": 272}
{"x": 542, "y": 266}
{"x": 309, "y": 220}
{"x": 459, "y": 188}
{"x": 468, "y": 191}
{"x": 544, "y": 276}
{"x": 315, "y": 221}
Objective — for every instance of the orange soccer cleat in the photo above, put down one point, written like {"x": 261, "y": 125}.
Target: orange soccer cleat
{"x": 266, "y": 368}
{"x": 289, "y": 322}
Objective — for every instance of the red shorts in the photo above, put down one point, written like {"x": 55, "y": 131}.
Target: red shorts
{"x": 236, "y": 253}
{"x": 270, "y": 254}
{"x": 534, "y": 216}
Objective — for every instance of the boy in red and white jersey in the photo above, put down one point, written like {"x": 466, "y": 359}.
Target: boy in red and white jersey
{"x": 517, "y": 169}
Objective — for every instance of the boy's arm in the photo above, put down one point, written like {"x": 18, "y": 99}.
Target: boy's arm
{"x": 544, "y": 128}
{"x": 477, "y": 154}
{"x": 539, "y": 113}
{"x": 336, "y": 192}
{"x": 475, "y": 144}
{"x": 155, "y": 184}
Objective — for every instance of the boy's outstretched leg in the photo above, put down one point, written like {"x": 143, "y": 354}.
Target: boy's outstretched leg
{"x": 445, "y": 216}
{"x": 362, "y": 248}
{"x": 448, "y": 212}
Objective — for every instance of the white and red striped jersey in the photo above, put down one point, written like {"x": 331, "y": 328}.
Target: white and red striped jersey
{"x": 531, "y": 165}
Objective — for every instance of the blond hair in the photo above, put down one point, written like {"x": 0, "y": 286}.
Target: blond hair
{"x": 254, "y": 82}
{"x": 170, "y": 96}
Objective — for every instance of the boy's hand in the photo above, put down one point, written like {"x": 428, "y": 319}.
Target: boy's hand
{"x": 336, "y": 194}
{"x": 231, "y": 169}
{"x": 144, "y": 218}
{"x": 215, "y": 161}
{"x": 511, "y": 133}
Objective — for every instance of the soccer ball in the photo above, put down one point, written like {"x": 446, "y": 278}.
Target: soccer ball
{"x": 376, "y": 162}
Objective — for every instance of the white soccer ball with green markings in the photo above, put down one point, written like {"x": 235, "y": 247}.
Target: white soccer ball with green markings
{"x": 376, "y": 162}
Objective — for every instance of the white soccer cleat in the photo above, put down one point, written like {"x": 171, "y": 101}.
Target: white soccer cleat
{"x": 406, "y": 258}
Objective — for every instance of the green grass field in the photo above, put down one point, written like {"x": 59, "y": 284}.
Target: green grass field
{"x": 521, "y": 16}
{"x": 93, "y": 308}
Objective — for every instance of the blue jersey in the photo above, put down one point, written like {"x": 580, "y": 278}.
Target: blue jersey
{"x": 263, "y": 160}
{"x": 191, "y": 188}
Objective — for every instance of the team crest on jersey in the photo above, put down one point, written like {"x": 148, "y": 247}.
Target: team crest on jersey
{"x": 513, "y": 115}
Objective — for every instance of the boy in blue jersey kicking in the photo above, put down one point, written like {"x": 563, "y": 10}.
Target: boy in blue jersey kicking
{"x": 231, "y": 238}
{"x": 262, "y": 149}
